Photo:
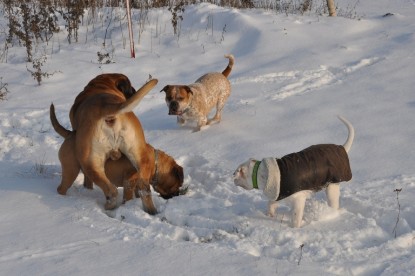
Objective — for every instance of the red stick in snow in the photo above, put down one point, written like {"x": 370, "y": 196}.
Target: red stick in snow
{"x": 130, "y": 29}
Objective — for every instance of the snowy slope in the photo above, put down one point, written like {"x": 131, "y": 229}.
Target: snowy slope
{"x": 292, "y": 76}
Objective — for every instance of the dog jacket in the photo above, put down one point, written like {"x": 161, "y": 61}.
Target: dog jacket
{"x": 310, "y": 169}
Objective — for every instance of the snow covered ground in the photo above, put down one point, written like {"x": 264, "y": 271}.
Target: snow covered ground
{"x": 292, "y": 75}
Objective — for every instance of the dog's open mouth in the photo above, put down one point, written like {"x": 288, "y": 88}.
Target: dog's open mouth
{"x": 178, "y": 113}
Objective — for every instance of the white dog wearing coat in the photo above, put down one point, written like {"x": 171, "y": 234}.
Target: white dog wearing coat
{"x": 296, "y": 175}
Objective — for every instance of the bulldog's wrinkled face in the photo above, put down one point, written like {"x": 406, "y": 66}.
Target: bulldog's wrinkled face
{"x": 169, "y": 179}
{"x": 178, "y": 98}
{"x": 242, "y": 176}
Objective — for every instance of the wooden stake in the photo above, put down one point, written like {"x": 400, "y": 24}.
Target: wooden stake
{"x": 130, "y": 29}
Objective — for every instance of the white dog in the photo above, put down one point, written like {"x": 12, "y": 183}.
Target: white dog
{"x": 296, "y": 175}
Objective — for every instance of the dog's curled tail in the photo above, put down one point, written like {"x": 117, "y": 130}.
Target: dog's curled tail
{"x": 228, "y": 69}
{"x": 134, "y": 100}
{"x": 56, "y": 125}
{"x": 348, "y": 144}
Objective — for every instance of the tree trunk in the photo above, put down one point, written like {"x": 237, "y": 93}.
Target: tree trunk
{"x": 332, "y": 7}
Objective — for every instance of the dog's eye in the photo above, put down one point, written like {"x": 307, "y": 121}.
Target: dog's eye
{"x": 168, "y": 98}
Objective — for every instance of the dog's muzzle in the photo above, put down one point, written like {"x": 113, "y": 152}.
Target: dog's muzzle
{"x": 174, "y": 108}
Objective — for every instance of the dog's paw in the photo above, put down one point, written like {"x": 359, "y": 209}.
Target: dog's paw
{"x": 151, "y": 211}
{"x": 61, "y": 190}
{"x": 213, "y": 122}
{"x": 200, "y": 128}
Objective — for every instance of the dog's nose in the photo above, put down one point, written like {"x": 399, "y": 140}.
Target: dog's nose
{"x": 235, "y": 174}
{"x": 174, "y": 106}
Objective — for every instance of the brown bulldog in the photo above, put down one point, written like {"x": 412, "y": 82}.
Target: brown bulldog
{"x": 105, "y": 125}
{"x": 166, "y": 174}
{"x": 195, "y": 101}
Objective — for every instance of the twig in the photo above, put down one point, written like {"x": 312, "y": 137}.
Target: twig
{"x": 301, "y": 253}
{"x": 397, "y": 191}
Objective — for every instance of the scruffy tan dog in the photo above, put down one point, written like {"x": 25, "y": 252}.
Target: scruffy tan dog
{"x": 195, "y": 101}
{"x": 166, "y": 174}
{"x": 105, "y": 125}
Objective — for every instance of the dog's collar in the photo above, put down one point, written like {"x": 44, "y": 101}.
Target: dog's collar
{"x": 155, "y": 179}
{"x": 186, "y": 109}
{"x": 255, "y": 175}
{"x": 188, "y": 106}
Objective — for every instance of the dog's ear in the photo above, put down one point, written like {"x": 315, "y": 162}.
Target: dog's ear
{"x": 125, "y": 87}
{"x": 178, "y": 172}
{"x": 188, "y": 89}
{"x": 165, "y": 88}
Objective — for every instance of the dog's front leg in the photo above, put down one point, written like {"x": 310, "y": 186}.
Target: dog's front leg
{"x": 180, "y": 120}
{"x": 143, "y": 191}
{"x": 129, "y": 184}
{"x": 298, "y": 204}
{"x": 201, "y": 122}
{"x": 272, "y": 206}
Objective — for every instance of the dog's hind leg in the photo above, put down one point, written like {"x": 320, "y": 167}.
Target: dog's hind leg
{"x": 333, "y": 195}
{"x": 218, "y": 115}
{"x": 69, "y": 164}
{"x": 97, "y": 175}
{"x": 114, "y": 155}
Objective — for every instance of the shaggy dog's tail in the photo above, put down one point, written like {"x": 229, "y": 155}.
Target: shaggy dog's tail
{"x": 228, "y": 69}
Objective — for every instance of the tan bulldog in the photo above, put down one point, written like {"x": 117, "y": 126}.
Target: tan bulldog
{"x": 195, "y": 101}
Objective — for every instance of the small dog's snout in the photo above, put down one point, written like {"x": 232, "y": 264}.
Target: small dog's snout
{"x": 174, "y": 106}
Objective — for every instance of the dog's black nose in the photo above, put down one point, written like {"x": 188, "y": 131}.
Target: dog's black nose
{"x": 174, "y": 106}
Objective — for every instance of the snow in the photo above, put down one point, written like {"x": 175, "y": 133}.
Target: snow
{"x": 292, "y": 75}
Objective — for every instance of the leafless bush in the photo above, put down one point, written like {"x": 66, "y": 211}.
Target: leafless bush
{"x": 3, "y": 90}
{"x": 30, "y": 22}
{"x": 37, "y": 73}
{"x": 104, "y": 57}
{"x": 177, "y": 11}
{"x": 72, "y": 13}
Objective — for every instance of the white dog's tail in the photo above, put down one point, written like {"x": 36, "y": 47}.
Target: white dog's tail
{"x": 348, "y": 144}
{"x": 228, "y": 69}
